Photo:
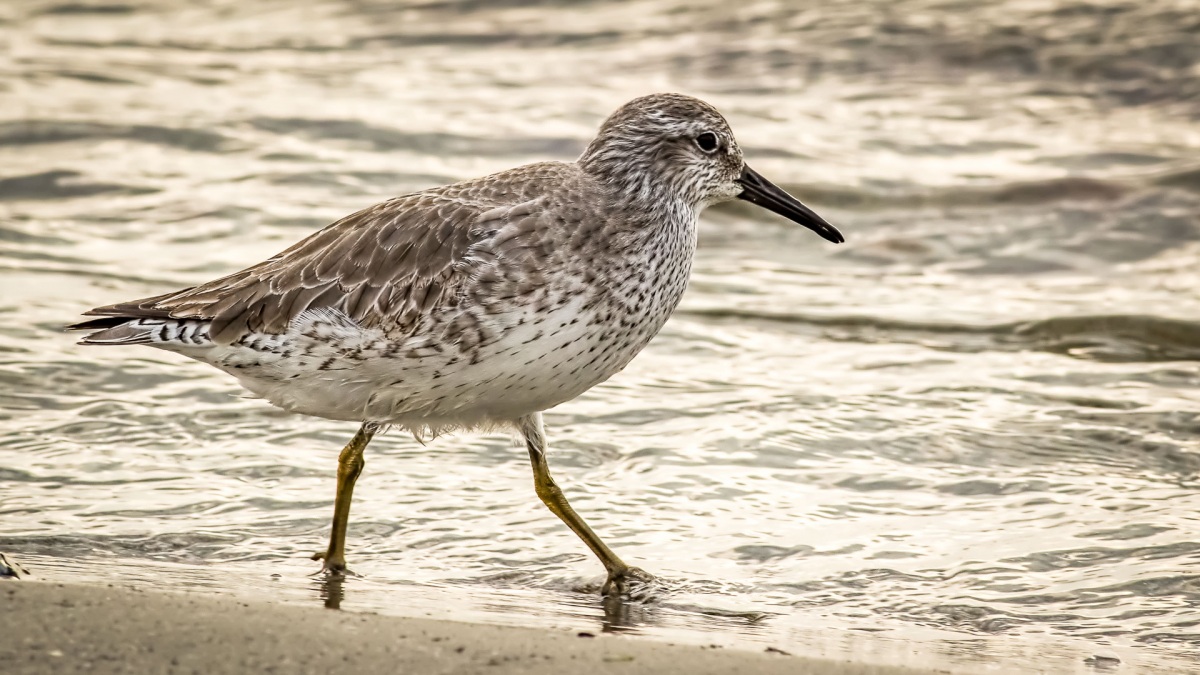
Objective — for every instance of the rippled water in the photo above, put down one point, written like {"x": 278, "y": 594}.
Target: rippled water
{"x": 969, "y": 436}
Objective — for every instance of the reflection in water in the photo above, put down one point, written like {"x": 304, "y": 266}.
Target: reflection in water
{"x": 973, "y": 428}
{"x": 331, "y": 589}
{"x": 622, "y": 615}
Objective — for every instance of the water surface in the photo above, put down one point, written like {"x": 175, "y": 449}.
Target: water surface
{"x": 969, "y": 436}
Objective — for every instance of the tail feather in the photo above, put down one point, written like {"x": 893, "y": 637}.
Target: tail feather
{"x": 97, "y": 324}
{"x": 124, "y": 330}
{"x": 115, "y": 331}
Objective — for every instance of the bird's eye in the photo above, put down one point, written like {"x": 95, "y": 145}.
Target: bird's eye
{"x": 707, "y": 141}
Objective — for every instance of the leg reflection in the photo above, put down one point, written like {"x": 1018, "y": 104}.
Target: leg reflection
{"x": 331, "y": 590}
{"x": 622, "y": 615}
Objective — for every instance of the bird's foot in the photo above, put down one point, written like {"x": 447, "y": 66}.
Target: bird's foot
{"x": 11, "y": 569}
{"x": 334, "y": 566}
{"x": 630, "y": 583}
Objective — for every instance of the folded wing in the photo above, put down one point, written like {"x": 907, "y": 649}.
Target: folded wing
{"x": 389, "y": 264}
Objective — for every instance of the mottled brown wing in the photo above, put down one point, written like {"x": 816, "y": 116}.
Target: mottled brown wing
{"x": 389, "y": 263}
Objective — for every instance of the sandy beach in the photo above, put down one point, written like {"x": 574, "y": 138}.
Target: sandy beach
{"x": 63, "y": 628}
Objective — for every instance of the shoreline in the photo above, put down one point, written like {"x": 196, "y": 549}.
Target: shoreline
{"x": 53, "y": 627}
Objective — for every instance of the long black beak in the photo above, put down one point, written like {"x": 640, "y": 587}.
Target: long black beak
{"x": 760, "y": 191}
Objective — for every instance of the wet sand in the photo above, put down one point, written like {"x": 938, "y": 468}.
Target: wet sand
{"x": 61, "y": 628}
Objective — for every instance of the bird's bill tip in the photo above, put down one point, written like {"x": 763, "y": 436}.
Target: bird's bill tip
{"x": 762, "y": 192}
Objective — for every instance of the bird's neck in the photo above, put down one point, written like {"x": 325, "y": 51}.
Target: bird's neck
{"x": 659, "y": 227}
{"x": 633, "y": 175}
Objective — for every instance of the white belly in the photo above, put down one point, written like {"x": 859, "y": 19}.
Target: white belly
{"x": 328, "y": 366}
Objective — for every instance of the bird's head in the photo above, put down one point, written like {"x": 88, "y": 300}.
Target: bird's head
{"x": 671, "y": 146}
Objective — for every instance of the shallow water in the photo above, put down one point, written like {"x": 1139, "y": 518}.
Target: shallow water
{"x": 970, "y": 436}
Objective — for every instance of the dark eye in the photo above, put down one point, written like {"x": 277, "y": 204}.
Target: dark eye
{"x": 707, "y": 141}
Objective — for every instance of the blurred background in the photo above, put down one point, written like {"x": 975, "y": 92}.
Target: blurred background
{"x": 971, "y": 433}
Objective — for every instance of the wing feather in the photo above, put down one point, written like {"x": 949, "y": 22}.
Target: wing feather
{"x": 390, "y": 264}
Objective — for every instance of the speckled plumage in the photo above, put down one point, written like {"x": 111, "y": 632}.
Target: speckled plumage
{"x": 476, "y": 304}
{"x": 464, "y": 305}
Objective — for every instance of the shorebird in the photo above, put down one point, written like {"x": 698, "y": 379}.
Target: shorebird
{"x": 476, "y": 305}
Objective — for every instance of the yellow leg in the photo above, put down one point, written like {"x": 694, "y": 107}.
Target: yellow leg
{"x": 619, "y": 573}
{"x": 350, "y": 465}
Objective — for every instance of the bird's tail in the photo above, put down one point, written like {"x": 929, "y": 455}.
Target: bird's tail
{"x": 124, "y": 330}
